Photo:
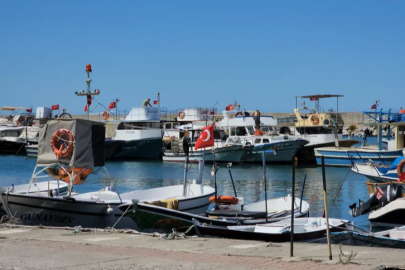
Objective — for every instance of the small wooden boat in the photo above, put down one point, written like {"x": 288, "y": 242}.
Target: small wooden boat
{"x": 154, "y": 216}
{"x": 394, "y": 238}
{"x": 304, "y": 229}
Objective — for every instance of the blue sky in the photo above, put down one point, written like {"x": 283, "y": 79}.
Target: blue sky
{"x": 195, "y": 53}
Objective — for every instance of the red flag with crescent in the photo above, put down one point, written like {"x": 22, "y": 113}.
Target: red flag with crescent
{"x": 206, "y": 138}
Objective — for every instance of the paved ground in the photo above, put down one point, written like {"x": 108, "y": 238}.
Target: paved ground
{"x": 35, "y": 248}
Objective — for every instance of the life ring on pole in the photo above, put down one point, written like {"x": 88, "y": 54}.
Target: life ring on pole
{"x": 400, "y": 168}
{"x": 314, "y": 119}
{"x": 106, "y": 115}
{"x": 224, "y": 199}
{"x": 62, "y": 143}
{"x": 181, "y": 114}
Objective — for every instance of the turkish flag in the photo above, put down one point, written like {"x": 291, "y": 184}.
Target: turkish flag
{"x": 374, "y": 107}
{"x": 86, "y": 108}
{"x": 206, "y": 138}
{"x": 156, "y": 102}
{"x": 112, "y": 105}
{"x": 29, "y": 110}
{"x": 55, "y": 107}
{"x": 229, "y": 108}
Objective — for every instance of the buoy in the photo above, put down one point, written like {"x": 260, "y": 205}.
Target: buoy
{"x": 182, "y": 114}
{"x": 314, "y": 119}
{"x": 65, "y": 139}
{"x": 224, "y": 199}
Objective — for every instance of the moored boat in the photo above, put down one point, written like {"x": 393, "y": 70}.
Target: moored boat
{"x": 304, "y": 229}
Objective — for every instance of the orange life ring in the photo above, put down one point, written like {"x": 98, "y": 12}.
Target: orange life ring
{"x": 400, "y": 168}
{"x": 80, "y": 174}
{"x": 62, "y": 143}
{"x": 224, "y": 199}
{"x": 239, "y": 113}
{"x": 106, "y": 114}
{"x": 182, "y": 114}
{"x": 314, "y": 119}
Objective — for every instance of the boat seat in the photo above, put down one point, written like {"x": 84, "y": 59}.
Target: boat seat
{"x": 236, "y": 213}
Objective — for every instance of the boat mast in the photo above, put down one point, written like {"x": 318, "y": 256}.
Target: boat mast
{"x": 89, "y": 93}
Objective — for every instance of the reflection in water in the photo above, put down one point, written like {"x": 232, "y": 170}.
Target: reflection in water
{"x": 248, "y": 179}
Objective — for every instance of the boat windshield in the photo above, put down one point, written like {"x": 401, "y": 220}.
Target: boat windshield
{"x": 250, "y": 130}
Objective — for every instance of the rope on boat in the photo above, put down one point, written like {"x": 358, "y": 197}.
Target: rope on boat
{"x": 174, "y": 235}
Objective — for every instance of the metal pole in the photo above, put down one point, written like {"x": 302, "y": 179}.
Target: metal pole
{"x": 185, "y": 176}
{"x": 292, "y": 209}
{"x": 302, "y": 191}
{"x": 265, "y": 182}
{"x": 296, "y": 104}
{"x": 215, "y": 181}
{"x": 233, "y": 184}
{"x": 325, "y": 201}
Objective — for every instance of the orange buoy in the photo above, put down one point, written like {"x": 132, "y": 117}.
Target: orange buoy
{"x": 224, "y": 199}
{"x": 106, "y": 114}
{"x": 314, "y": 119}
{"x": 181, "y": 115}
{"x": 400, "y": 169}
{"x": 88, "y": 68}
{"x": 62, "y": 143}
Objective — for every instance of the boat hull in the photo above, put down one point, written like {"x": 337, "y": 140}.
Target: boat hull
{"x": 391, "y": 215}
{"x": 371, "y": 172}
{"x": 306, "y": 155}
{"x": 150, "y": 148}
{"x": 364, "y": 240}
{"x": 283, "y": 154}
{"x": 90, "y": 209}
{"x": 223, "y": 232}
{"x": 159, "y": 218}
{"x": 231, "y": 153}
{"x": 10, "y": 147}
{"x": 345, "y": 157}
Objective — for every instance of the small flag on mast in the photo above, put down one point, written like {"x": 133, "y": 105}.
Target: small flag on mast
{"x": 55, "y": 107}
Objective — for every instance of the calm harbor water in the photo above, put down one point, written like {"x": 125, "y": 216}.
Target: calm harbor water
{"x": 131, "y": 175}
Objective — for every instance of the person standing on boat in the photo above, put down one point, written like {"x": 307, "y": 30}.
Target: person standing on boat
{"x": 256, "y": 117}
{"x": 365, "y": 134}
{"x": 186, "y": 143}
{"x": 146, "y": 102}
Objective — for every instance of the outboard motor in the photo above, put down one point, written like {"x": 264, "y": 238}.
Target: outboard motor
{"x": 392, "y": 193}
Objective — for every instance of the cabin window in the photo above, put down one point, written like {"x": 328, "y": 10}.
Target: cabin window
{"x": 258, "y": 141}
{"x": 241, "y": 131}
{"x": 220, "y": 135}
{"x": 266, "y": 141}
{"x": 250, "y": 130}
{"x": 11, "y": 133}
{"x": 233, "y": 131}
{"x": 168, "y": 126}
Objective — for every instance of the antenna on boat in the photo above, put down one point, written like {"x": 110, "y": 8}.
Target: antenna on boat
{"x": 88, "y": 93}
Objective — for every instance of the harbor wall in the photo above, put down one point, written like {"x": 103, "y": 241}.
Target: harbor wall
{"x": 350, "y": 118}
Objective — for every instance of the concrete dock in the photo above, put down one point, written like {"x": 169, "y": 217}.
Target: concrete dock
{"x": 25, "y": 247}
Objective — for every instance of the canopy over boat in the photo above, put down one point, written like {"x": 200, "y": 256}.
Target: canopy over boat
{"x": 73, "y": 142}
{"x": 7, "y": 108}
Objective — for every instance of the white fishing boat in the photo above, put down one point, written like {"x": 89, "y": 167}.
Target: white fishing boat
{"x": 240, "y": 128}
{"x": 76, "y": 149}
